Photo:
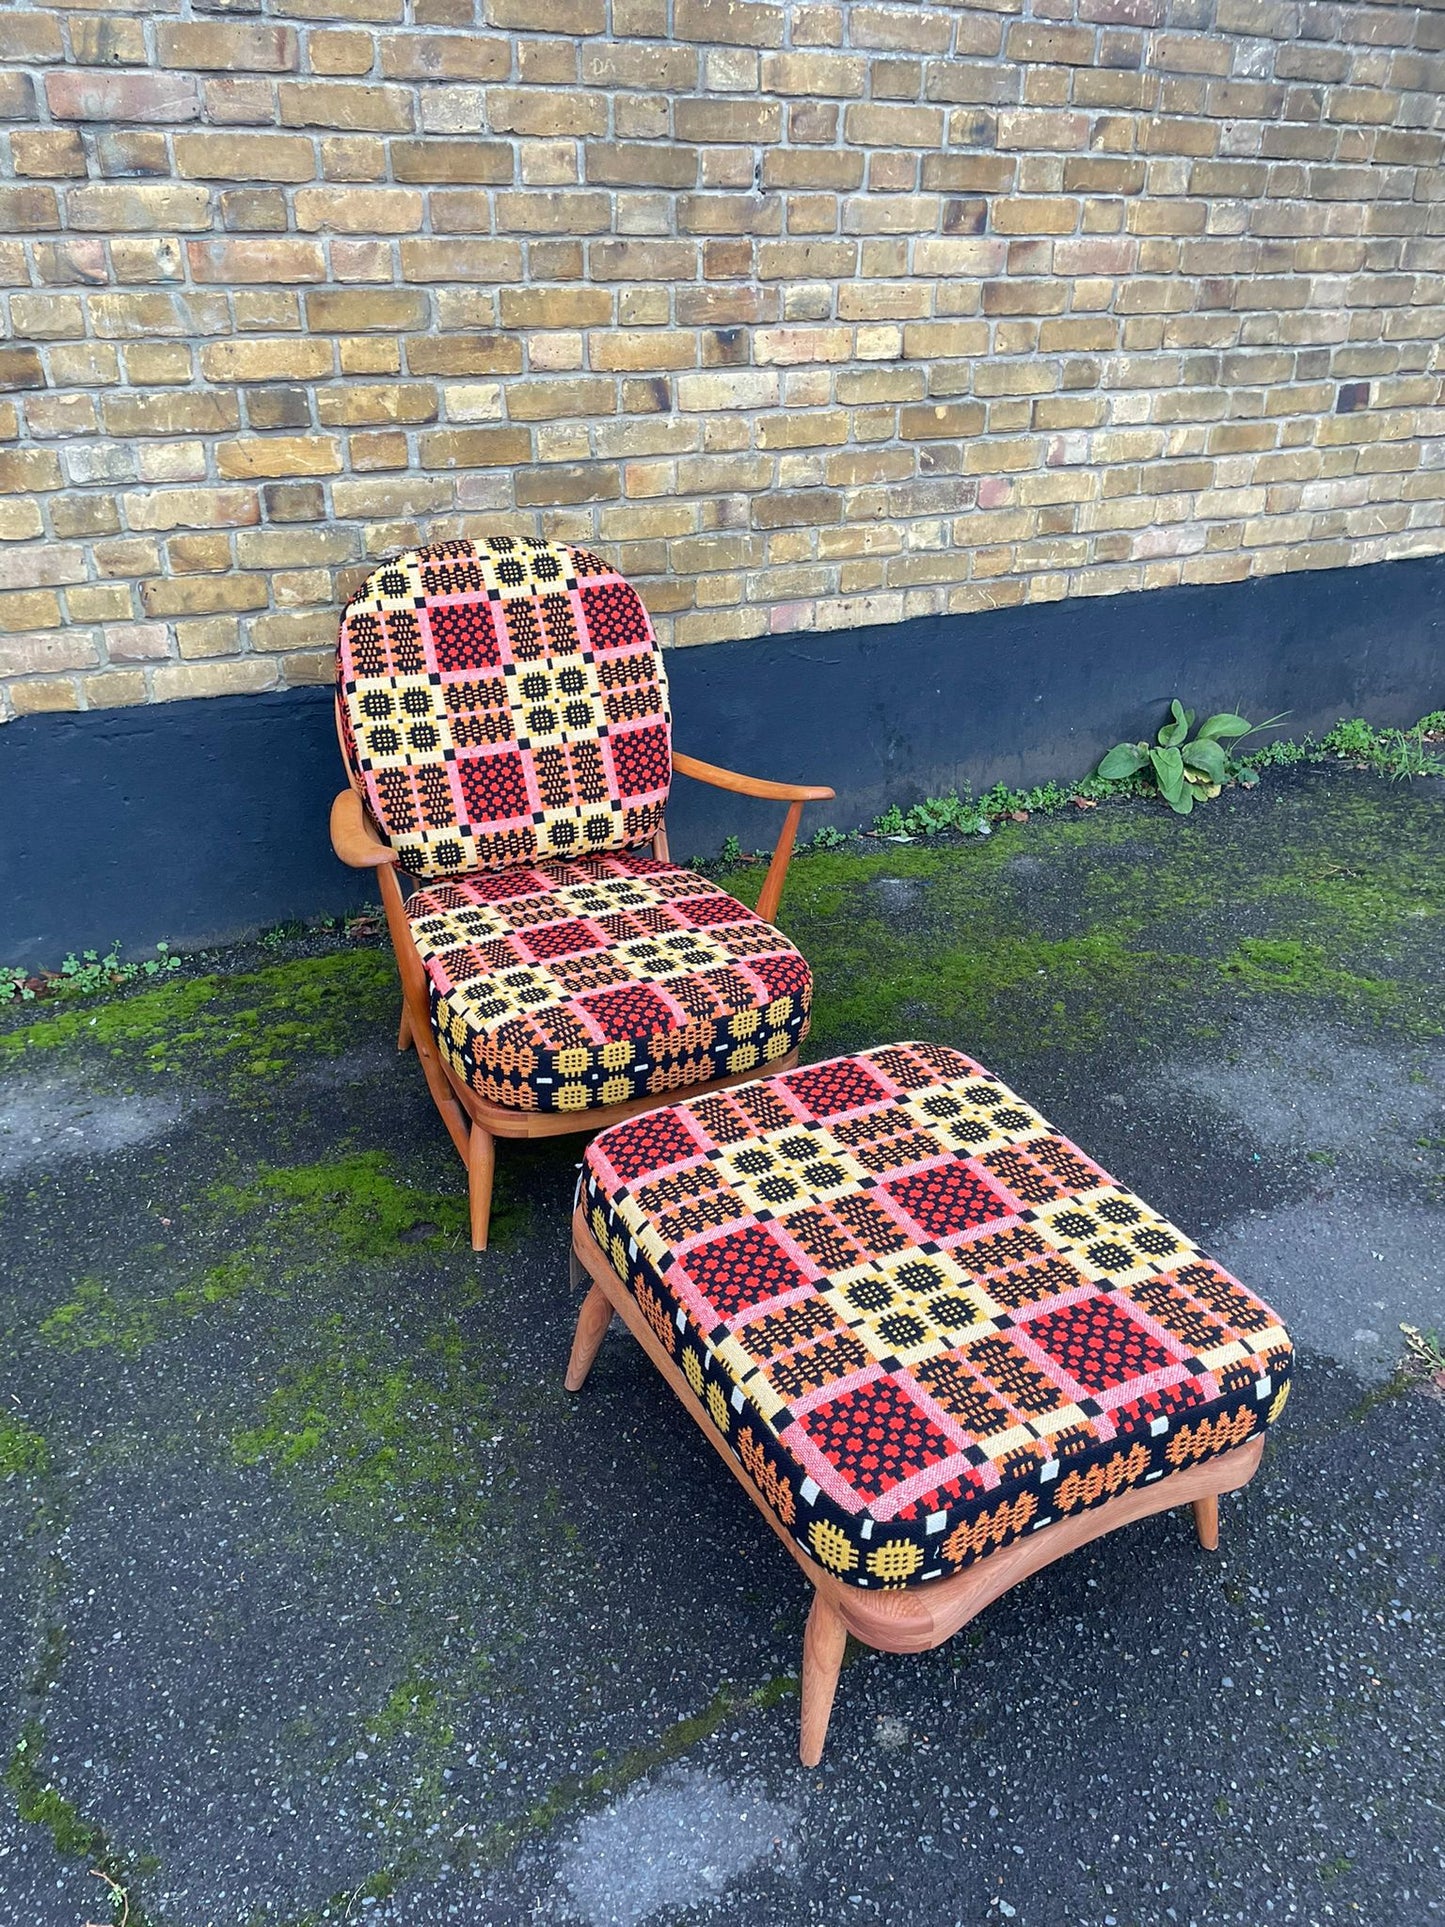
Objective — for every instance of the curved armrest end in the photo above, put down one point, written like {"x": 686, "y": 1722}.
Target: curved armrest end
{"x": 354, "y": 837}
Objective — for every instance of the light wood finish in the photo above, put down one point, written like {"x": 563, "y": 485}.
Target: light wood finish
{"x": 912, "y": 1619}
{"x": 481, "y": 1166}
{"x": 795, "y": 795}
{"x": 592, "y": 1322}
{"x": 354, "y": 837}
{"x": 1206, "y": 1522}
{"x": 825, "y": 1639}
{"x": 356, "y": 840}
{"x": 729, "y": 779}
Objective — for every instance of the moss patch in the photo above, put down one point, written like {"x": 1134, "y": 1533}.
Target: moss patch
{"x": 390, "y": 1441}
{"x": 1261, "y": 964}
{"x": 1063, "y": 933}
{"x": 414, "y": 1709}
{"x": 42, "y": 1805}
{"x": 352, "y": 1208}
{"x": 260, "y": 1023}
{"x": 22, "y": 1449}
{"x": 314, "y": 1220}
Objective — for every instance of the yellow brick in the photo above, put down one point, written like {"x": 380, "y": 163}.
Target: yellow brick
{"x": 350, "y": 106}
{"x": 48, "y": 153}
{"x": 340, "y": 54}
{"x": 358, "y": 210}
{"x": 286, "y": 358}
{"x": 243, "y": 677}
{"x": 44, "y": 697}
{"x": 278, "y": 455}
{"x": 244, "y": 157}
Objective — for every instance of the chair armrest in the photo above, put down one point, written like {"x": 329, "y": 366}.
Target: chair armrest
{"x": 726, "y": 779}
{"x": 353, "y": 836}
{"x": 795, "y": 795}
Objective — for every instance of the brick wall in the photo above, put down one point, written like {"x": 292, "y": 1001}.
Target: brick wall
{"x": 809, "y": 315}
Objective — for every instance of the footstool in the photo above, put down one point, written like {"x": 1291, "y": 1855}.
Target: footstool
{"x": 937, "y": 1345}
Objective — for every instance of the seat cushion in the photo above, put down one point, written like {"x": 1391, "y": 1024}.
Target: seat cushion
{"x": 568, "y": 985}
{"x": 924, "y": 1322}
{"x": 502, "y": 702}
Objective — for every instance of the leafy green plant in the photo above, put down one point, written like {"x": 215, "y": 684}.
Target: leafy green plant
{"x": 1397, "y": 753}
{"x": 15, "y": 986}
{"x": 84, "y": 975}
{"x": 1424, "y": 1360}
{"x": 827, "y": 838}
{"x": 932, "y": 815}
{"x": 1184, "y": 768}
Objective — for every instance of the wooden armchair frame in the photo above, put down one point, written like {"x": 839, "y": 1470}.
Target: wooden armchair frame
{"x": 475, "y": 1124}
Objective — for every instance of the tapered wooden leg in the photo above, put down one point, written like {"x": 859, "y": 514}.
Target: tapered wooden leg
{"x": 823, "y": 1645}
{"x": 403, "y": 1035}
{"x": 1206, "y": 1521}
{"x": 592, "y": 1322}
{"x": 481, "y": 1162}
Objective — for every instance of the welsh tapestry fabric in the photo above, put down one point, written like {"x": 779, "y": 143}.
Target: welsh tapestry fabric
{"x": 569, "y": 985}
{"x": 503, "y": 702}
{"x": 923, "y": 1321}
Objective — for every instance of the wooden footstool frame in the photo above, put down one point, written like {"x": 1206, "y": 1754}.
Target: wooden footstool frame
{"x": 910, "y": 1619}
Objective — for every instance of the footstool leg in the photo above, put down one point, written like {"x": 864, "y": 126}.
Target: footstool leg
{"x": 403, "y": 1035}
{"x": 592, "y": 1322}
{"x": 823, "y": 1644}
{"x": 1206, "y": 1521}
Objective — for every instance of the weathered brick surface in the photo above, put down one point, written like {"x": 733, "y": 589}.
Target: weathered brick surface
{"x": 808, "y": 312}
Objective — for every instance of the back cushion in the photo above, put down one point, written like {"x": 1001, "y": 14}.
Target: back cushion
{"x": 503, "y": 702}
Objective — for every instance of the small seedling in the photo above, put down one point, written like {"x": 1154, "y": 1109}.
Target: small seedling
{"x": 1424, "y": 1359}
{"x": 933, "y": 815}
{"x": 84, "y": 975}
{"x": 827, "y": 838}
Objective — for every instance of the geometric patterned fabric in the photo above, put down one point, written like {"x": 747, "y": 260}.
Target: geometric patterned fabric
{"x": 923, "y": 1321}
{"x": 503, "y": 702}
{"x": 563, "y": 986}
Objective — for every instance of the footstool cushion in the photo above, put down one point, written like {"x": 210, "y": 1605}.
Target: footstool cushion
{"x": 922, "y": 1320}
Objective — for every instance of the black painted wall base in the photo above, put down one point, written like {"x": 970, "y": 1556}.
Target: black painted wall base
{"x": 200, "y": 821}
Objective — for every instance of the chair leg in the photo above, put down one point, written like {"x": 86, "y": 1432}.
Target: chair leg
{"x": 592, "y": 1322}
{"x": 1206, "y": 1521}
{"x": 403, "y": 1035}
{"x": 823, "y": 1644}
{"x": 481, "y": 1162}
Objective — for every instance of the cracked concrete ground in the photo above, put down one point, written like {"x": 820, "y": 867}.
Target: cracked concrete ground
{"x": 319, "y": 1600}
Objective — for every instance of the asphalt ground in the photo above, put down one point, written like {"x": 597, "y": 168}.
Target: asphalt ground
{"x": 320, "y": 1600}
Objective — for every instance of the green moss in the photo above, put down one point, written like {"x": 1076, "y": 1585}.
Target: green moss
{"x": 1059, "y": 991}
{"x": 92, "y": 1318}
{"x": 387, "y": 1440}
{"x": 1262, "y": 964}
{"x": 353, "y": 1208}
{"x": 1106, "y": 924}
{"x": 259, "y": 1023}
{"x": 22, "y": 1449}
{"x": 42, "y": 1805}
{"x": 955, "y": 949}
{"x": 315, "y": 1219}
{"x": 96, "y": 1318}
{"x": 414, "y": 1709}
{"x": 139, "y": 1023}
{"x": 613, "y": 1779}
